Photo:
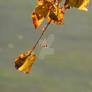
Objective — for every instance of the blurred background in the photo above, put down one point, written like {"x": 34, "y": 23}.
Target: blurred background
{"x": 68, "y": 69}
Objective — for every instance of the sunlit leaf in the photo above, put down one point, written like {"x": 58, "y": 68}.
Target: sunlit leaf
{"x": 80, "y": 4}
{"x": 56, "y": 16}
{"x": 37, "y": 19}
{"x": 83, "y": 5}
{"x": 40, "y": 2}
{"x": 40, "y": 12}
{"x": 21, "y": 59}
{"x": 27, "y": 64}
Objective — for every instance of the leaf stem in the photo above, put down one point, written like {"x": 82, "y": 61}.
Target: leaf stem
{"x": 40, "y": 36}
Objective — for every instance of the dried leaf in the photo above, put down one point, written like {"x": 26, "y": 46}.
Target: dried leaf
{"x": 37, "y": 19}
{"x": 27, "y": 64}
{"x": 80, "y": 4}
{"x": 21, "y": 59}
{"x": 40, "y": 12}
{"x": 56, "y": 16}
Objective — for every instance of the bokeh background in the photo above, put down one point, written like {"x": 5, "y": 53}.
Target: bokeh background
{"x": 69, "y": 69}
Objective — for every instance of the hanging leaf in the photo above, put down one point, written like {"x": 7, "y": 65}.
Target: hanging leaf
{"x": 21, "y": 59}
{"x": 56, "y": 16}
{"x": 80, "y": 4}
{"x": 24, "y": 62}
{"x": 26, "y": 66}
{"x": 37, "y": 19}
{"x": 83, "y": 5}
{"x": 40, "y": 12}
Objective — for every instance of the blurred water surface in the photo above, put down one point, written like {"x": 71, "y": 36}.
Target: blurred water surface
{"x": 68, "y": 69}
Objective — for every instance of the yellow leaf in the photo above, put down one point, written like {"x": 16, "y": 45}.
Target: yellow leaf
{"x": 37, "y": 19}
{"x": 21, "y": 59}
{"x": 80, "y": 4}
{"x": 83, "y": 5}
{"x": 56, "y": 16}
{"x": 27, "y": 64}
{"x": 40, "y": 12}
{"x": 40, "y": 2}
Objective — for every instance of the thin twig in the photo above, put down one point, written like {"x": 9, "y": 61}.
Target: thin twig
{"x": 40, "y": 36}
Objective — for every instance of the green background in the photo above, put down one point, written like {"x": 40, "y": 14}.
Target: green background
{"x": 68, "y": 69}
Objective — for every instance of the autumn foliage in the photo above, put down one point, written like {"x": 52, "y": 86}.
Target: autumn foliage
{"x": 53, "y": 11}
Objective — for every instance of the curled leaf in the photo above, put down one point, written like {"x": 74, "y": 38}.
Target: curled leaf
{"x": 25, "y": 61}
{"x": 27, "y": 64}
{"x": 21, "y": 59}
